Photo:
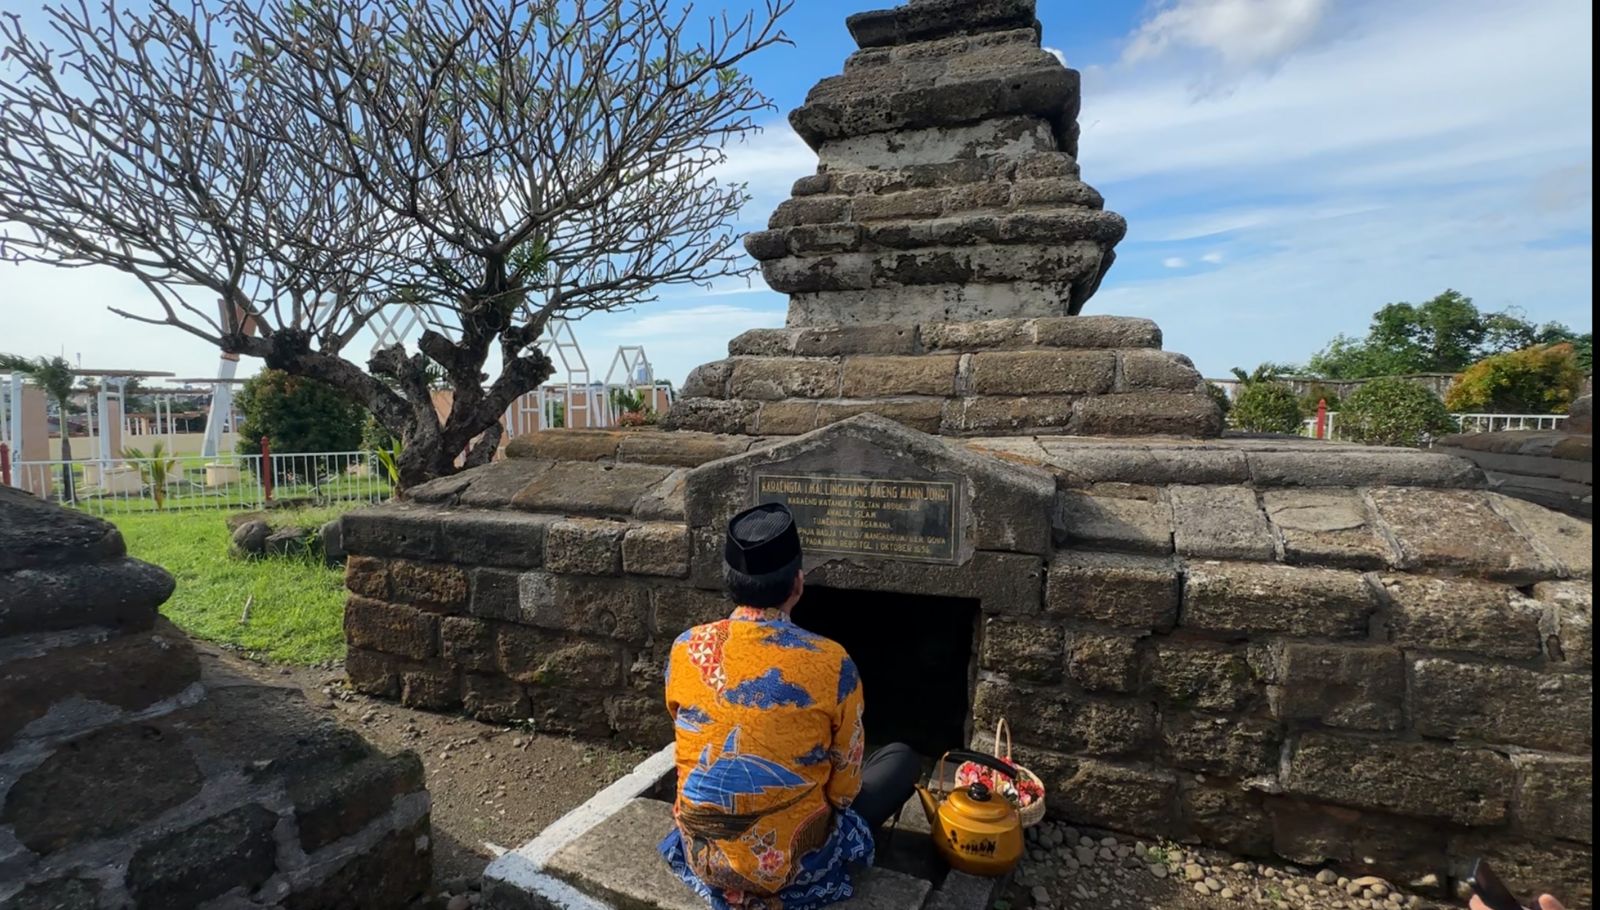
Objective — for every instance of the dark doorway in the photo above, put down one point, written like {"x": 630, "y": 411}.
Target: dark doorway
{"x": 915, "y": 656}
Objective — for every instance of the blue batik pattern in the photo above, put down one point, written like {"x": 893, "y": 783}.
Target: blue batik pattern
{"x": 690, "y": 719}
{"x": 816, "y": 756}
{"x": 769, "y": 690}
{"x": 849, "y": 678}
{"x": 823, "y": 876}
{"x": 718, "y": 783}
{"x": 784, "y": 635}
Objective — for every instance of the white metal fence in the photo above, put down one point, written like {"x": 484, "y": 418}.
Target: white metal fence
{"x": 1495, "y": 423}
{"x": 188, "y": 482}
{"x": 1468, "y": 423}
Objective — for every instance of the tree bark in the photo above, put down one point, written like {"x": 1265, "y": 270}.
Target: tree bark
{"x": 69, "y": 491}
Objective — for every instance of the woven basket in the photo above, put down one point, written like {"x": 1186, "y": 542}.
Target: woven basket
{"x": 1032, "y": 813}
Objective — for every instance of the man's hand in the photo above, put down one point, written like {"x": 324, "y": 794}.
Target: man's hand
{"x": 1546, "y": 902}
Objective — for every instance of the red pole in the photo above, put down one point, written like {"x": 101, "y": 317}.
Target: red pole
{"x": 1322, "y": 418}
{"x": 5, "y": 465}
{"x": 266, "y": 469}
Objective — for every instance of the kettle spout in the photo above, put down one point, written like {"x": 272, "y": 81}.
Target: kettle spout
{"x": 930, "y": 806}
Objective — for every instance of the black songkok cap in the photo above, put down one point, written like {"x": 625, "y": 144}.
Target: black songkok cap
{"x": 762, "y": 540}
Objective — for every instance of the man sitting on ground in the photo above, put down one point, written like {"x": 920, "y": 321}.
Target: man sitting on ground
{"x": 774, "y": 802}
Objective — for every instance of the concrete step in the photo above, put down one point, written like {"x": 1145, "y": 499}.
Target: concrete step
{"x": 604, "y": 855}
{"x": 617, "y": 864}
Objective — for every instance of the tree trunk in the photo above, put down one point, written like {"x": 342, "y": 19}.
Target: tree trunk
{"x": 68, "y": 491}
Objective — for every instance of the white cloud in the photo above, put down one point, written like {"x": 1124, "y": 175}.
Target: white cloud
{"x": 687, "y": 321}
{"x": 1174, "y": 262}
{"x": 677, "y": 338}
{"x": 1240, "y": 33}
{"x": 769, "y": 162}
{"x": 1058, "y": 54}
{"x": 1402, "y": 96}
{"x": 1380, "y": 163}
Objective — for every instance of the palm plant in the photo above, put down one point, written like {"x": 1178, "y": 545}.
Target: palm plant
{"x": 155, "y": 469}
{"x": 389, "y": 459}
{"x": 53, "y": 375}
{"x": 631, "y": 407}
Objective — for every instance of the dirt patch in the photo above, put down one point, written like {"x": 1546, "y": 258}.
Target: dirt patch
{"x": 490, "y": 784}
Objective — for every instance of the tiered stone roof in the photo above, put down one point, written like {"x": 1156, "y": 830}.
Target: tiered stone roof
{"x": 937, "y": 261}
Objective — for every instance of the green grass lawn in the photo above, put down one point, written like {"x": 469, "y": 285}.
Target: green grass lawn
{"x": 296, "y": 605}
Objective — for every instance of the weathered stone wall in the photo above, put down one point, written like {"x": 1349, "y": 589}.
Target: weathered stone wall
{"x": 936, "y": 258}
{"x": 135, "y": 771}
{"x": 560, "y": 610}
{"x": 1088, "y": 375}
{"x": 1552, "y": 468}
{"x": 1280, "y": 649}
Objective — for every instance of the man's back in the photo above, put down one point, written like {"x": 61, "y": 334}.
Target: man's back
{"x": 769, "y": 748}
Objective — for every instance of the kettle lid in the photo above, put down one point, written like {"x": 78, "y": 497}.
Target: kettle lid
{"x": 977, "y": 803}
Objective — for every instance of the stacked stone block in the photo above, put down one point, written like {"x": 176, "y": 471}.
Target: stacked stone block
{"x": 937, "y": 259}
{"x": 135, "y": 771}
{"x": 1554, "y": 468}
{"x": 1081, "y": 375}
{"x": 558, "y": 609}
{"x": 1242, "y": 644}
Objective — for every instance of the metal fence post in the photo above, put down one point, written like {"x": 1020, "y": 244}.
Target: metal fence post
{"x": 266, "y": 469}
{"x": 5, "y": 465}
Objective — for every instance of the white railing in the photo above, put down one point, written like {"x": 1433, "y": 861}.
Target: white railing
{"x": 1308, "y": 427}
{"x": 188, "y": 482}
{"x": 1468, "y": 423}
{"x": 1496, "y": 423}
{"x": 581, "y": 407}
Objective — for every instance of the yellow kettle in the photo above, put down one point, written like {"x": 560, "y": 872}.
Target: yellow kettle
{"x": 974, "y": 829}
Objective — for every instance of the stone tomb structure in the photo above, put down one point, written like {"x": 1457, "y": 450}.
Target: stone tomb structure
{"x": 1342, "y": 655}
{"x": 1553, "y": 468}
{"x": 935, "y": 260}
{"x": 1285, "y": 648}
{"x": 137, "y": 771}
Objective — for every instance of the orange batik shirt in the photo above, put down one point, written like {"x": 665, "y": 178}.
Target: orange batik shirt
{"x": 769, "y": 749}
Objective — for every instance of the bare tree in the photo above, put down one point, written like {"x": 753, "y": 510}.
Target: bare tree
{"x": 312, "y": 165}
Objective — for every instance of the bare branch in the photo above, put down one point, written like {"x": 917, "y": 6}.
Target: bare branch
{"x": 316, "y": 165}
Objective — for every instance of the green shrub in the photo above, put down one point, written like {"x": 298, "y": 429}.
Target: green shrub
{"x": 1316, "y": 393}
{"x": 1220, "y": 396}
{"x": 298, "y": 415}
{"x": 1543, "y": 379}
{"x": 1390, "y": 411}
{"x": 375, "y": 437}
{"x": 1267, "y": 407}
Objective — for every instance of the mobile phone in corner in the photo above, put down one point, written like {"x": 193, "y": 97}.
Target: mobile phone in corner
{"x": 1490, "y": 889}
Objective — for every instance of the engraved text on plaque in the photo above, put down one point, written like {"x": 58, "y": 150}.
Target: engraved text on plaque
{"x": 890, "y": 519}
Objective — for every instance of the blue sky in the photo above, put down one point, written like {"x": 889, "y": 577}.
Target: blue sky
{"x": 1286, "y": 167}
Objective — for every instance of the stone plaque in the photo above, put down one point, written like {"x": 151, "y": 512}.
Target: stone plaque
{"x": 913, "y": 520}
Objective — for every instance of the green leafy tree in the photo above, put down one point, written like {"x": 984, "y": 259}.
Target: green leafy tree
{"x": 1391, "y": 411}
{"x": 297, "y": 415}
{"x": 1319, "y": 392}
{"x": 1265, "y": 405}
{"x": 484, "y": 167}
{"x": 1542, "y": 379}
{"x": 1443, "y": 335}
{"x": 55, "y": 376}
{"x": 1220, "y": 396}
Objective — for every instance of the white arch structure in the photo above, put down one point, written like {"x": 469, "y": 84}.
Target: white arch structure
{"x": 584, "y": 403}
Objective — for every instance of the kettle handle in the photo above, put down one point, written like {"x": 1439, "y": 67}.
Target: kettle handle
{"x": 988, "y": 761}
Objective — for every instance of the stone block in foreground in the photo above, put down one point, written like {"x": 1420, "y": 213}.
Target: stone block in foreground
{"x": 127, "y": 751}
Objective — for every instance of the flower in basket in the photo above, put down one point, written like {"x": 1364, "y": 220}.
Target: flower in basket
{"x": 1018, "y": 790}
